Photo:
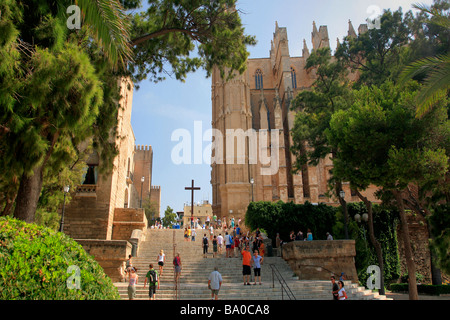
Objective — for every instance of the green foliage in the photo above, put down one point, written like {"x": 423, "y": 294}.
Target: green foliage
{"x": 385, "y": 229}
{"x": 280, "y": 217}
{"x": 34, "y": 261}
{"x": 169, "y": 218}
{"x": 167, "y": 32}
{"x": 440, "y": 228}
{"x": 423, "y": 288}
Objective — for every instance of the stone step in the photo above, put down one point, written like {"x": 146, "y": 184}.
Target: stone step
{"x": 196, "y": 269}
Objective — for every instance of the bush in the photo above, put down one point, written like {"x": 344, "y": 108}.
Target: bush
{"x": 280, "y": 217}
{"x": 34, "y": 265}
{"x": 422, "y": 288}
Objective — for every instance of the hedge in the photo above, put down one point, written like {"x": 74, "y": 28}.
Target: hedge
{"x": 422, "y": 288}
{"x": 35, "y": 261}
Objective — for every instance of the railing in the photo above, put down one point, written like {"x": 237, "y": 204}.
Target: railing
{"x": 284, "y": 286}
{"x": 87, "y": 188}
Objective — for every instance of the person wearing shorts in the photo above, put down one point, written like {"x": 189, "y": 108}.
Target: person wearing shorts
{"x": 246, "y": 265}
{"x": 257, "y": 261}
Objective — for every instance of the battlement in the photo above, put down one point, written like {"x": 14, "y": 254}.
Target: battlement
{"x": 142, "y": 148}
{"x": 156, "y": 188}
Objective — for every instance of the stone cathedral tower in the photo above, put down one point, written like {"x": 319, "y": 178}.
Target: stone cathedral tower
{"x": 252, "y": 112}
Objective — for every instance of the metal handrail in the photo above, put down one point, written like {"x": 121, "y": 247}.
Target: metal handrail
{"x": 284, "y": 286}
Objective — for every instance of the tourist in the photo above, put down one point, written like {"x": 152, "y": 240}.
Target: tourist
{"x": 214, "y": 242}
{"x": 220, "y": 242}
{"x": 185, "y": 234}
{"x": 214, "y": 283}
{"x": 161, "y": 260}
{"x": 228, "y": 242}
{"x": 232, "y": 222}
{"x": 309, "y": 235}
{"x": 205, "y": 246}
{"x": 177, "y": 266}
{"x": 132, "y": 282}
{"x": 211, "y": 232}
{"x": 208, "y": 219}
{"x": 292, "y": 236}
{"x": 329, "y": 236}
{"x": 193, "y": 234}
{"x": 128, "y": 265}
{"x": 262, "y": 249}
{"x": 342, "y": 295}
{"x": 299, "y": 236}
{"x": 246, "y": 265}
{"x": 236, "y": 247}
{"x": 189, "y": 234}
{"x": 256, "y": 262}
{"x": 334, "y": 288}
{"x": 153, "y": 280}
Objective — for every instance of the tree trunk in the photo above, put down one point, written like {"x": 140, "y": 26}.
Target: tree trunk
{"x": 28, "y": 195}
{"x": 374, "y": 241}
{"x": 338, "y": 188}
{"x": 413, "y": 294}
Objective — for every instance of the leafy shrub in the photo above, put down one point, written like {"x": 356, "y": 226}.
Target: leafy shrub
{"x": 280, "y": 217}
{"x": 34, "y": 263}
{"x": 422, "y": 289}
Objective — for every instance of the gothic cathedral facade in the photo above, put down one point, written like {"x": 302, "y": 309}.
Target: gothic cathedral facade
{"x": 252, "y": 112}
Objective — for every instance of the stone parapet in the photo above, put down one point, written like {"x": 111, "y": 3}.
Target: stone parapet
{"x": 319, "y": 259}
{"x": 110, "y": 254}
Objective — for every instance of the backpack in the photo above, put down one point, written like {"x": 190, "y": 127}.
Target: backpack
{"x": 175, "y": 261}
{"x": 153, "y": 277}
{"x": 205, "y": 241}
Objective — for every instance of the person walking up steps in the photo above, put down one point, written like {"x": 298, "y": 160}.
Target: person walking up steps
{"x": 220, "y": 242}
{"x": 153, "y": 280}
{"x": 214, "y": 242}
{"x": 177, "y": 266}
{"x": 161, "y": 260}
{"x": 132, "y": 282}
{"x": 205, "y": 246}
{"x": 246, "y": 265}
{"x": 214, "y": 283}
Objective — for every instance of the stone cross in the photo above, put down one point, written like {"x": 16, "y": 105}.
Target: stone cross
{"x": 192, "y": 188}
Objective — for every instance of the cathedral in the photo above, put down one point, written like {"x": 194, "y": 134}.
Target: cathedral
{"x": 252, "y": 121}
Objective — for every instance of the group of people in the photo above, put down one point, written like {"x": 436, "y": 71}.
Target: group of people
{"x": 152, "y": 277}
{"x": 338, "y": 289}
{"x": 233, "y": 242}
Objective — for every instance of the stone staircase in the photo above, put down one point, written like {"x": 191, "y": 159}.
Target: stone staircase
{"x": 193, "y": 284}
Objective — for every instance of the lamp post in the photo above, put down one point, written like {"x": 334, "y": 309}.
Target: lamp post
{"x": 252, "y": 181}
{"x": 365, "y": 218}
{"x": 142, "y": 187}
{"x": 344, "y": 206}
{"x": 61, "y": 225}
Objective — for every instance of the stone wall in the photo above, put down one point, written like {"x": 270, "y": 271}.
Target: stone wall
{"x": 319, "y": 259}
{"x": 110, "y": 254}
{"x": 126, "y": 220}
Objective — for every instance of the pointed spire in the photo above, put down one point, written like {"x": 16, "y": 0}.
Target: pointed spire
{"x": 338, "y": 44}
{"x": 305, "y": 50}
{"x": 314, "y": 27}
{"x": 351, "y": 30}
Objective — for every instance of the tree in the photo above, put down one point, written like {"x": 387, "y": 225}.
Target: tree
{"x": 168, "y": 31}
{"x": 59, "y": 87}
{"x": 436, "y": 68}
{"x": 329, "y": 93}
{"x": 380, "y": 142}
{"x": 151, "y": 209}
{"x": 169, "y": 218}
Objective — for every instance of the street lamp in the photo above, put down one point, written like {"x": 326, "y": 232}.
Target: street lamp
{"x": 344, "y": 205}
{"x": 61, "y": 225}
{"x": 142, "y": 187}
{"x": 252, "y": 181}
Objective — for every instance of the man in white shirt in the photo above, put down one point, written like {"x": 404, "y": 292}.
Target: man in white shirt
{"x": 214, "y": 283}
{"x": 220, "y": 242}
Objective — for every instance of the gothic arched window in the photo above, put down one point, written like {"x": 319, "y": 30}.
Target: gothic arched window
{"x": 294, "y": 78}
{"x": 259, "y": 79}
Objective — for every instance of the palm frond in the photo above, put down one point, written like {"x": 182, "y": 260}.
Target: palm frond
{"x": 110, "y": 26}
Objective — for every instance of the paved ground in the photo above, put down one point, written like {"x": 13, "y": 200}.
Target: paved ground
{"x": 405, "y": 296}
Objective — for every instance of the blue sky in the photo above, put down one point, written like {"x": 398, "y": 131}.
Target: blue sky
{"x": 162, "y": 108}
